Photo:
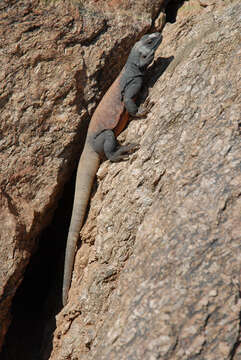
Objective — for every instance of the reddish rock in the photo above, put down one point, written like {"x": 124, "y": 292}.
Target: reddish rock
{"x": 158, "y": 272}
{"x": 51, "y": 78}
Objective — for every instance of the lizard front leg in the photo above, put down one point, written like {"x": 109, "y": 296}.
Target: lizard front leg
{"x": 130, "y": 93}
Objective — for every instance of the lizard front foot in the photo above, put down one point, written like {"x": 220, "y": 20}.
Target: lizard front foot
{"x": 123, "y": 152}
{"x": 130, "y": 148}
{"x": 143, "y": 110}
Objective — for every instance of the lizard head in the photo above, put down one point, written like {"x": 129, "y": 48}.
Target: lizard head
{"x": 144, "y": 50}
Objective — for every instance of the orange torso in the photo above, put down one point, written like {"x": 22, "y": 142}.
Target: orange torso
{"x": 110, "y": 113}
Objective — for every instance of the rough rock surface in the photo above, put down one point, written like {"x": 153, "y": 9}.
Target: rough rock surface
{"x": 51, "y": 78}
{"x": 157, "y": 275}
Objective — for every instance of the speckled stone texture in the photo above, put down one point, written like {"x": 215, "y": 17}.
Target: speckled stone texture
{"x": 158, "y": 273}
{"x": 56, "y": 62}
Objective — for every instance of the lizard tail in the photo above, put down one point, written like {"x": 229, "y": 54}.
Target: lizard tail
{"x": 87, "y": 168}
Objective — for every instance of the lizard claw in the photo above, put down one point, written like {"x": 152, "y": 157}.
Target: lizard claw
{"x": 144, "y": 110}
{"x": 130, "y": 148}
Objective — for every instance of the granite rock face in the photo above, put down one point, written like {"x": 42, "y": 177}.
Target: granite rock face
{"x": 157, "y": 275}
{"x": 157, "y": 272}
{"x": 51, "y": 78}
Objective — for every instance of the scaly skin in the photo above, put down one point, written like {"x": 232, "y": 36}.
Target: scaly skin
{"x": 108, "y": 120}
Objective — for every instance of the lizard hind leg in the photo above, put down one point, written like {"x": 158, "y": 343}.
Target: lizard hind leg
{"x": 112, "y": 149}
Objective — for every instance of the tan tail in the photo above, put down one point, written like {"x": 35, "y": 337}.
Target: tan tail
{"x": 87, "y": 168}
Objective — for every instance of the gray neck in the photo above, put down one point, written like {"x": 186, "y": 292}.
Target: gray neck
{"x": 131, "y": 66}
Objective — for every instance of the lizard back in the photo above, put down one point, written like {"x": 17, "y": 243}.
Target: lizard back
{"x": 110, "y": 113}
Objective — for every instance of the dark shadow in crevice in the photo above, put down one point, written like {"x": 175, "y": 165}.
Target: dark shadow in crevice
{"x": 172, "y": 10}
{"x": 38, "y": 298}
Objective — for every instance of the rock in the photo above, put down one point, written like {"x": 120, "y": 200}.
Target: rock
{"x": 206, "y": 3}
{"x": 160, "y": 22}
{"x": 163, "y": 280}
{"x": 51, "y": 78}
{"x": 158, "y": 272}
